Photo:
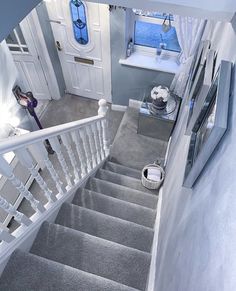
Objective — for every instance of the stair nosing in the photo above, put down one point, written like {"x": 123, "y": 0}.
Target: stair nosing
{"x": 117, "y": 199}
{"x": 122, "y": 166}
{"x": 131, "y": 189}
{"x": 94, "y": 238}
{"x": 117, "y": 218}
{"x": 76, "y": 269}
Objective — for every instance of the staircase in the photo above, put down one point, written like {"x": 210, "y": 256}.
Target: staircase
{"x": 100, "y": 241}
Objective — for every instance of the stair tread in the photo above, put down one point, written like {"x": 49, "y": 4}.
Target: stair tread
{"x": 121, "y": 169}
{"x": 108, "y": 227}
{"x": 122, "y": 192}
{"x": 124, "y": 180}
{"x": 91, "y": 254}
{"x": 32, "y": 272}
{"x": 115, "y": 207}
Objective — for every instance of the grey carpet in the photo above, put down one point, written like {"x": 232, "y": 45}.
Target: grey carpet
{"x": 132, "y": 149}
{"x": 116, "y": 168}
{"x": 92, "y": 254}
{"x": 28, "y": 272}
{"x": 123, "y": 180}
{"x": 108, "y": 227}
{"x": 122, "y": 192}
{"x": 115, "y": 207}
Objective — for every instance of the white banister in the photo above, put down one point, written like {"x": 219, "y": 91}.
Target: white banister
{"x": 6, "y": 170}
{"x": 43, "y": 155}
{"x": 67, "y": 141}
{"x": 26, "y": 160}
{"x": 85, "y": 146}
{"x": 91, "y": 146}
{"x": 78, "y": 144}
{"x": 10, "y": 209}
{"x": 6, "y": 236}
{"x": 56, "y": 146}
{"x": 101, "y": 142}
{"x": 102, "y": 111}
{"x": 97, "y": 142}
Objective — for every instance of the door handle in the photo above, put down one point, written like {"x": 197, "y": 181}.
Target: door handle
{"x": 58, "y": 46}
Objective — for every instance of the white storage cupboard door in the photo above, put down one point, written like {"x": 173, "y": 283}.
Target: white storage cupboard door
{"x": 21, "y": 44}
{"x": 82, "y": 35}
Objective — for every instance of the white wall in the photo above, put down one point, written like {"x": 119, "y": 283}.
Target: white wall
{"x": 197, "y": 238}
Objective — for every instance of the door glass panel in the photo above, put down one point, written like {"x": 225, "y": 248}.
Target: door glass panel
{"x": 20, "y": 34}
{"x": 78, "y": 15}
{"x": 11, "y": 39}
{"x": 14, "y": 48}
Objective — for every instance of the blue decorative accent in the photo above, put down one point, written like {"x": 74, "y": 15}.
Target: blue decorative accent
{"x": 79, "y": 21}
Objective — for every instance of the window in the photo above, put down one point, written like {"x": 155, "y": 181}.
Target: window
{"x": 16, "y": 41}
{"x": 78, "y": 14}
{"x": 149, "y": 31}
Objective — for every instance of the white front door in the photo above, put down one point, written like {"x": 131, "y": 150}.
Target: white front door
{"x": 86, "y": 64}
{"x": 26, "y": 57}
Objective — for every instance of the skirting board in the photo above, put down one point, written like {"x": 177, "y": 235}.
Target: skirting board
{"x": 117, "y": 107}
{"x": 152, "y": 272}
{"x": 135, "y": 103}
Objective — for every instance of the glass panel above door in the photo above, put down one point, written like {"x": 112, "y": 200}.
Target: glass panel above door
{"x": 78, "y": 15}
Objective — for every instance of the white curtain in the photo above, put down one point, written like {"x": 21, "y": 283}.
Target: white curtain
{"x": 189, "y": 32}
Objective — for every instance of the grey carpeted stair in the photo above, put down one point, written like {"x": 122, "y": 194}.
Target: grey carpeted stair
{"x": 104, "y": 226}
{"x": 122, "y": 192}
{"x": 115, "y": 207}
{"x": 100, "y": 242}
{"x": 26, "y": 271}
{"x": 123, "y": 180}
{"x": 91, "y": 254}
{"x": 116, "y": 168}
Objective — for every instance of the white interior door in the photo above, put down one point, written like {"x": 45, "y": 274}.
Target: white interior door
{"x": 86, "y": 67}
{"x": 21, "y": 44}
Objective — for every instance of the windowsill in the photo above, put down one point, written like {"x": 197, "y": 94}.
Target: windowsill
{"x": 152, "y": 62}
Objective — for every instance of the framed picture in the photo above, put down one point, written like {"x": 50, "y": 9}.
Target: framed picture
{"x": 210, "y": 125}
{"x": 202, "y": 85}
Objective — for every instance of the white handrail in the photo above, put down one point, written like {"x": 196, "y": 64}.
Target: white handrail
{"x": 24, "y": 140}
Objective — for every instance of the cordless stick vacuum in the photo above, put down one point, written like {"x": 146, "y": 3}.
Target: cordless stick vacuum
{"x": 29, "y": 102}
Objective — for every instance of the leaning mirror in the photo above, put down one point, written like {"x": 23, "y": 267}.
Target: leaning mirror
{"x": 210, "y": 125}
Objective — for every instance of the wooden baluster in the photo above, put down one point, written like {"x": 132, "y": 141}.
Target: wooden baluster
{"x": 86, "y": 149}
{"x": 10, "y": 209}
{"x": 97, "y": 142}
{"x": 102, "y": 111}
{"x": 79, "y": 148}
{"x": 91, "y": 145}
{"x": 66, "y": 139}
{"x": 43, "y": 156}
{"x": 26, "y": 160}
{"x": 5, "y": 235}
{"x": 57, "y": 148}
{"x": 99, "y": 128}
{"x": 6, "y": 170}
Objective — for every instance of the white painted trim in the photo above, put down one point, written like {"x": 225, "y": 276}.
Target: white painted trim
{"x": 152, "y": 271}
{"x": 117, "y": 107}
{"x": 41, "y": 47}
{"x": 24, "y": 239}
{"x": 135, "y": 103}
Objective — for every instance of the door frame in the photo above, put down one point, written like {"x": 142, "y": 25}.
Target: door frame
{"x": 43, "y": 54}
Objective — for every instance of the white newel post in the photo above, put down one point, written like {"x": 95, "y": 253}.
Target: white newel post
{"x": 7, "y": 171}
{"x": 43, "y": 155}
{"x": 102, "y": 111}
{"x": 26, "y": 160}
{"x": 56, "y": 146}
{"x": 10, "y": 209}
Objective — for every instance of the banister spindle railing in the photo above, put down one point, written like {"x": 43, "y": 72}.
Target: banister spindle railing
{"x": 10, "y": 209}
{"x": 43, "y": 156}
{"x": 85, "y": 149}
{"x": 6, "y": 236}
{"x": 79, "y": 148}
{"x": 99, "y": 129}
{"x": 26, "y": 160}
{"x": 97, "y": 142}
{"x": 91, "y": 145}
{"x": 66, "y": 139}
{"x": 102, "y": 111}
{"x": 7, "y": 171}
{"x": 56, "y": 146}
